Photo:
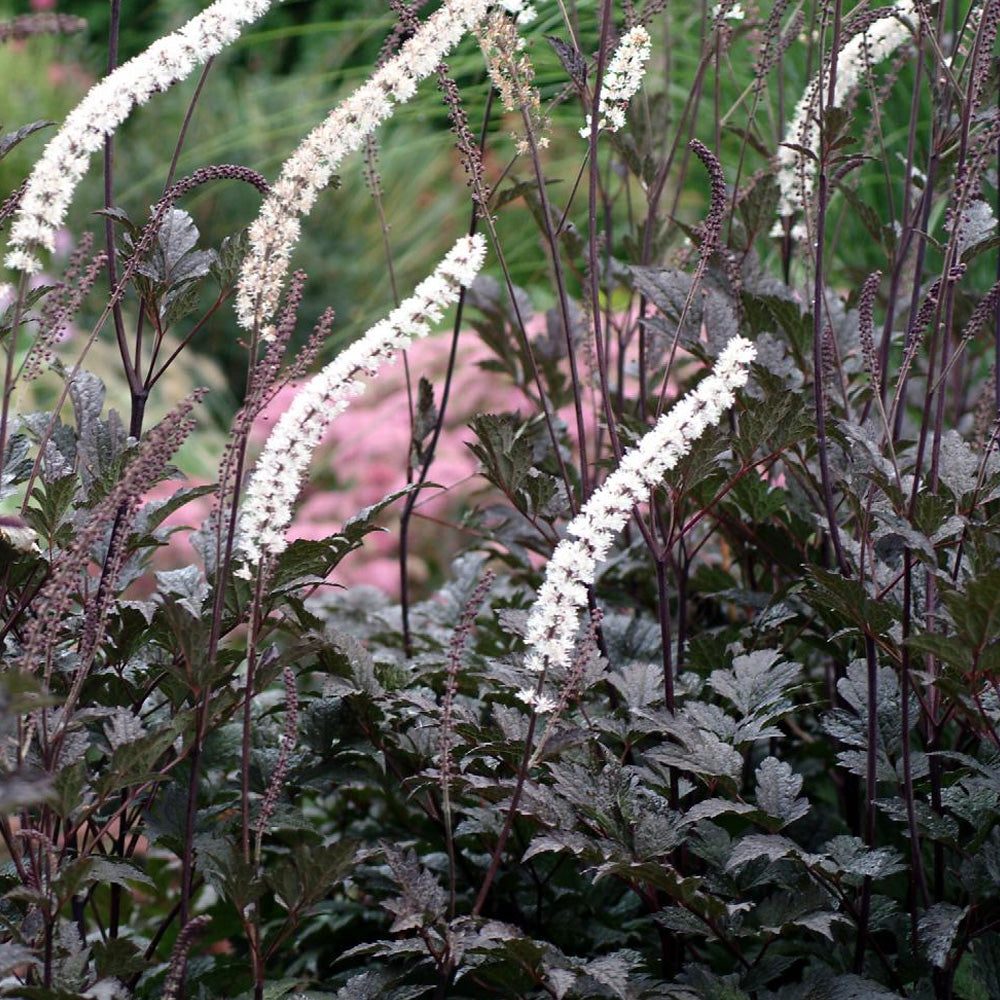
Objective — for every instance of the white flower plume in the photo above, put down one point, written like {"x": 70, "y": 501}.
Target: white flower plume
{"x": 622, "y": 80}
{"x": 555, "y": 617}
{"x": 796, "y": 172}
{"x": 540, "y": 703}
{"x": 65, "y": 159}
{"x": 524, "y": 9}
{"x": 308, "y": 171}
{"x": 277, "y": 478}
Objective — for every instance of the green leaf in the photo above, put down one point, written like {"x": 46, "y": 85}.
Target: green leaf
{"x": 119, "y": 958}
{"x": 276, "y": 990}
{"x": 174, "y": 260}
{"x": 506, "y": 452}
{"x": 514, "y": 191}
{"x": 613, "y": 972}
{"x": 180, "y": 302}
{"x": 986, "y": 964}
{"x": 709, "y": 986}
{"x": 946, "y": 648}
{"x": 312, "y": 871}
{"x": 867, "y": 215}
{"x": 773, "y": 424}
{"x": 714, "y": 807}
{"x": 982, "y": 246}
{"x": 423, "y": 901}
{"x": 755, "y": 498}
{"x": 135, "y": 763}
{"x": 187, "y": 587}
{"x": 31, "y": 296}
{"x": 774, "y": 313}
{"x": 976, "y": 612}
{"x": 308, "y": 561}
{"x": 704, "y": 754}
{"x": 755, "y": 846}
{"x": 227, "y": 872}
{"x": 853, "y": 857}
{"x": 835, "y": 123}
{"x": 846, "y": 987}
{"x": 116, "y": 872}
{"x": 350, "y": 656}
{"x": 13, "y": 956}
{"x": 640, "y": 683}
{"x": 759, "y": 206}
{"x": 424, "y": 420}
{"x": 369, "y": 986}
{"x": 87, "y": 871}
{"x": 120, "y": 216}
{"x": 229, "y": 259}
{"x": 21, "y": 788}
{"x": 758, "y": 683}
{"x": 52, "y": 504}
{"x": 753, "y": 140}
{"x": 158, "y": 511}
{"x": 572, "y": 61}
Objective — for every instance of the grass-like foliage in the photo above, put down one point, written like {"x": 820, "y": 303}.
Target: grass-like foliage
{"x": 706, "y": 703}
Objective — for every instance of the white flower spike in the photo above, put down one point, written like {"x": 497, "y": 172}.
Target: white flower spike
{"x": 308, "y": 171}
{"x": 622, "y": 80}
{"x": 64, "y": 161}
{"x": 277, "y": 478}
{"x": 797, "y": 173}
{"x": 555, "y": 618}
{"x": 540, "y": 703}
{"x": 524, "y": 9}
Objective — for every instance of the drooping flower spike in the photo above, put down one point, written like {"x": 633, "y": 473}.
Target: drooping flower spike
{"x": 555, "y": 617}
{"x": 308, "y": 170}
{"x": 797, "y": 172}
{"x": 277, "y": 478}
{"x": 64, "y": 161}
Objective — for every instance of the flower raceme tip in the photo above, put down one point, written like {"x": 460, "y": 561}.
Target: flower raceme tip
{"x": 622, "y": 80}
{"x": 796, "y": 172}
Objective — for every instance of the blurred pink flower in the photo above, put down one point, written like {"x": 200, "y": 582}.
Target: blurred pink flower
{"x": 43, "y": 5}
{"x": 362, "y": 458}
{"x": 365, "y": 450}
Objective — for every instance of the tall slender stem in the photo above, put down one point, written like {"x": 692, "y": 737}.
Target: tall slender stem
{"x": 819, "y": 393}
{"x": 431, "y": 449}
{"x": 562, "y": 296}
{"x": 9, "y": 377}
{"x": 131, "y": 375}
{"x": 607, "y": 9}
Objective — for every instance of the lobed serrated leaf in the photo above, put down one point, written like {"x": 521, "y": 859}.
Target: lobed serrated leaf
{"x": 937, "y": 929}
{"x": 778, "y": 787}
